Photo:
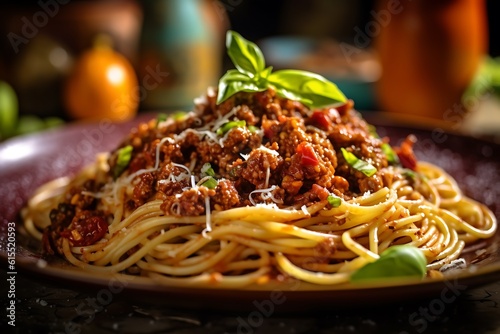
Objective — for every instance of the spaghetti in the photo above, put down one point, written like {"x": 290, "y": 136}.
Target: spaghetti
{"x": 253, "y": 190}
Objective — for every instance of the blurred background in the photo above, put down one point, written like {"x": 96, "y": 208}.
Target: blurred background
{"x": 425, "y": 63}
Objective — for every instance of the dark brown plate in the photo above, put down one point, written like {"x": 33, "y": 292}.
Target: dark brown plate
{"x": 27, "y": 162}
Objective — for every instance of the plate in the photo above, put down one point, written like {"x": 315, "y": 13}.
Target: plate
{"x": 27, "y": 162}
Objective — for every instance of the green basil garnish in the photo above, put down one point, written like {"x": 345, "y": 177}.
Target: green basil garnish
{"x": 358, "y": 164}
{"x": 396, "y": 261}
{"x": 123, "y": 159}
{"x": 252, "y": 75}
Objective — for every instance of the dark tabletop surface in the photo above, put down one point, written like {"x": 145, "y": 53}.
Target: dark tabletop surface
{"x": 42, "y": 307}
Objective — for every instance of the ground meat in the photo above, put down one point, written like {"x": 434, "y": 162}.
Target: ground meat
{"x": 236, "y": 139}
{"x": 144, "y": 189}
{"x": 190, "y": 203}
{"x": 370, "y": 184}
{"x": 259, "y": 167}
{"x": 282, "y": 146}
{"x": 86, "y": 228}
{"x": 226, "y": 196}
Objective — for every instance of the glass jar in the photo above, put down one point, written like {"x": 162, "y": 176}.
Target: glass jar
{"x": 429, "y": 51}
{"x": 179, "y": 54}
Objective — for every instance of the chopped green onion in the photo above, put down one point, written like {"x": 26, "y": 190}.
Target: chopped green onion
{"x": 229, "y": 125}
{"x": 207, "y": 169}
{"x": 334, "y": 201}
{"x": 123, "y": 159}
{"x": 211, "y": 183}
{"x": 409, "y": 174}
{"x": 358, "y": 164}
{"x": 252, "y": 128}
{"x": 179, "y": 115}
{"x": 392, "y": 157}
{"x": 162, "y": 117}
{"x": 373, "y": 131}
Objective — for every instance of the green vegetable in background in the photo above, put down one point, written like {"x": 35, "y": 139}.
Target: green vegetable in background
{"x": 251, "y": 75}
{"x": 11, "y": 124}
{"x": 486, "y": 81}
{"x": 396, "y": 261}
{"x": 8, "y": 110}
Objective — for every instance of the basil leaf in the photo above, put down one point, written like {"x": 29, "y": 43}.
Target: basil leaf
{"x": 264, "y": 74}
{"x": 211, "y": 183}
{"x": 251, "y": 75}
{"x": 246, "y": 56}
{"x": 358, "y": 164}
{"x": 311, "y": 89}
{"x": 233, "y": 82}
{"x": 391, "y": 156}
{"x": 334, "y": 201}
{"x": 396, "y": 261}
{"x": 123, "y": 159}
{"x": 229, "y": 125}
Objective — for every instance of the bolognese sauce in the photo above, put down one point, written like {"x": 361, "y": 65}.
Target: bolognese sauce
{"x": 258, "y": 147}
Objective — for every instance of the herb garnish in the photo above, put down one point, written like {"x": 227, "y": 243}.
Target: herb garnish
{"x": 391, "y": 156}
{"x": 334, "y": 201}
{"x": 229, "y": 125}
{"x": 395, "y": 261}
{"x": 123, "y": 159}
{"x": 358, "y": 164}
{"x": 207, "y": 169}
{"x": 252, "y": 75}
{"x": 162, "y": 117}
{"x": 211, "y": 183}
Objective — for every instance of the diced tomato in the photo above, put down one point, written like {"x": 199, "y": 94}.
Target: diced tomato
{"x": 270, "y": 128}
{"x": 86, "y": 232}
{"x": 343, "y": 109}
{"x": 321, "y": 120}
{"x": 405, "y": 153}
{"x": 320, "y": 191}
{"x": 307, "y": 155}
{"x": 324, "y": 118}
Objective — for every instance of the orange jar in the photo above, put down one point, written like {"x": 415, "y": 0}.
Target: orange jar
{"x": 429, "y": 51}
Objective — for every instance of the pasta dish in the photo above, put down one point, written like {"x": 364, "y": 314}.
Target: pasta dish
{"x": 259, "y": 187}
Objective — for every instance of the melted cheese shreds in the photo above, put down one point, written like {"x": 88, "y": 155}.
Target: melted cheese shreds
{"x": 266, "y": 194}
{"x": 208, "y": 221}
{"x": 267, "y": 150}
{"x": 268, "y": 175}
{"x": 224, "y": 119}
